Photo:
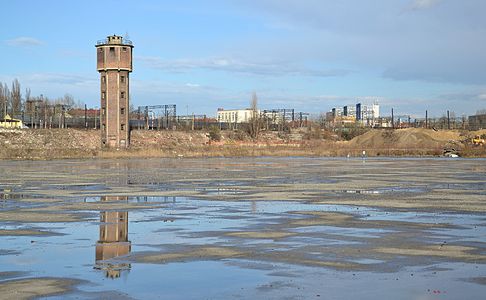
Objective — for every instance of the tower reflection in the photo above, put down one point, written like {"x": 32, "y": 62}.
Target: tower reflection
{"x": 113, "y": 240}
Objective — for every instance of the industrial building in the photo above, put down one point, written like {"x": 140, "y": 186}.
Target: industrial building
{"x": 114, "y": 63}
{"x": 235, "y": 116}
{"x": 367, "y": 115}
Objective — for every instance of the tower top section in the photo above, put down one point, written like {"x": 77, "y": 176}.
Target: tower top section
{"x": 114, "y": 53}
{"x": 114, "y": 40}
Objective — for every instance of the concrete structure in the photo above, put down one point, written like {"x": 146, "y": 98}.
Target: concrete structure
{"x": 114, "y": 63}
{"x": 235, "y": 115}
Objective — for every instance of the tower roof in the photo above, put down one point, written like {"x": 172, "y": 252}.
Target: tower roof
{"x": 114, "y": 40}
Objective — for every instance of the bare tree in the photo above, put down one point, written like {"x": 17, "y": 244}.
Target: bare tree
{"x": 3, "y": 102}
{"x": 5, "y": 95}
{"x": 255, "y": 121}
{"x": 68, "y": 100}
{"x": 27, "y": 94}
{"x": 16, "y": 99}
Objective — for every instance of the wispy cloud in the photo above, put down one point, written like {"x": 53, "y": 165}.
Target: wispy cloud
{"x": 239, "y": 66}
{"x": 60, "y": 78}
{"x": 424, "y": 4}
{"x": 24, "y": 41}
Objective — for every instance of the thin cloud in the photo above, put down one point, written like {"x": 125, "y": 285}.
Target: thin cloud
{"x": 60, "y": 78}
{"x": 24, "y": 41}
{"x": 238, "y": 66}
{"x": 424, "y": 4}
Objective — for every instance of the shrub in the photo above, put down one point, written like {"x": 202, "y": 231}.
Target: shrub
{"x": 214, "y": 134}
{"x": 238, "y": 135}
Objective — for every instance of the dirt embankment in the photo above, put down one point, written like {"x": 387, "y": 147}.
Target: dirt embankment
{"x": 417, "y": 141}
{"x": 74, "y": 143}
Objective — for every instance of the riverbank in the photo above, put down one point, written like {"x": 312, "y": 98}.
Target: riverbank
{"x": 44, "y": 144}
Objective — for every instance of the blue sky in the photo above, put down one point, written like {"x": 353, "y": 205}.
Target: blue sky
{"x": 310, "y": 55}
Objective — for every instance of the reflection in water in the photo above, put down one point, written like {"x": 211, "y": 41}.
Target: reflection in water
{"x": 113, "y": 240}
{"x": 132, "y": 199}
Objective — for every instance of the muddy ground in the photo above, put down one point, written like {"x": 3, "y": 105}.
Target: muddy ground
{"x": 268, "y": 228}
{"x": 48, "y": 144}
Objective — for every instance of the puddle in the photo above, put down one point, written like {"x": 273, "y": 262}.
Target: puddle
{"x": 239, "y": 248}
{"x": 387, "y": 190}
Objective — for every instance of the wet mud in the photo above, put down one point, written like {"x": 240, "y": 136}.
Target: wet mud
{"x": 268, "y": 228}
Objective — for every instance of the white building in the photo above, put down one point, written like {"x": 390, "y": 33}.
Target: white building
{"x": 370, "y": 114}
{"x": 366, "y": 114}
{"x": 235, "y": 115}
{"x": 349, "y": 110}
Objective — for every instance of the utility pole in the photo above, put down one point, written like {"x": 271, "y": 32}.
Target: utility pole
{"x": 86, "y": 116}
{"x": 448, "y": 121}
{"x": 426, "y": 120}
{"x": 392, "y": 120}
{"x": 95, "y": 115}
{"x": 45, "y": 114}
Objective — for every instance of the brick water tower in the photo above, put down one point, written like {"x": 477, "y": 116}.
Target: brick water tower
{"x": 114, "y": 62}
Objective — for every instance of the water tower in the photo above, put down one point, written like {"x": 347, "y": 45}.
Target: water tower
{"x": 114, "y": 63}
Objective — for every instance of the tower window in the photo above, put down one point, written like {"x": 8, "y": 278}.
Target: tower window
{"x": 122, "y": 110}
{"x": 124, "y": 49}
{"x": 103, "y": 95}
{"x": 122, "y": 78}
{"x": 122, "y": 95}
{"x": 122, "y": 126}
{"x": 112, "y": 49}
{"x": 103, "y": 111}
{"x": 103, "y": 79}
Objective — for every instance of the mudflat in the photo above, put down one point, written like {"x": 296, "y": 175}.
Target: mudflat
{"x": 268, "y": 228}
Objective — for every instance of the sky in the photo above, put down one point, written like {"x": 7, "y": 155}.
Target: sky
{"x": 310, "y": 55}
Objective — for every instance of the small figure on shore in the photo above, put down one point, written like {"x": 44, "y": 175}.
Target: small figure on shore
{"x": 363, "y": 155}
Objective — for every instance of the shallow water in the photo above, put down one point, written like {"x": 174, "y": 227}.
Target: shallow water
{"x": 247, "y": 228}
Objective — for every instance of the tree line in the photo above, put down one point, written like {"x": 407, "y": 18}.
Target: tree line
{"x": 16, "y": 104}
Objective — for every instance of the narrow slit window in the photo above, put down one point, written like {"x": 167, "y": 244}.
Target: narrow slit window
{"x": 122, "y": 126}
{"x": 122, "y": 110}
{"x": 122, "y": 95}
{"x": 122, "y": 79}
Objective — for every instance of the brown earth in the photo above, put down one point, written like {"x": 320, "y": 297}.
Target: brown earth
{"x": 406, "y": 138}
{"x": 416, "y": 141}
{"x": 34, "y": 288}
{"x": 75, "y": 143}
